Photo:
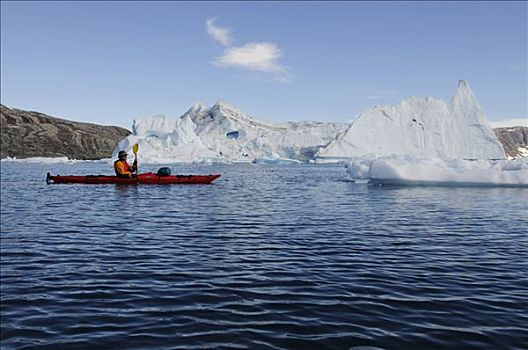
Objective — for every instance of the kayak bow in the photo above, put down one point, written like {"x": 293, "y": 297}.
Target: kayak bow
{"x": 145, "y": 178}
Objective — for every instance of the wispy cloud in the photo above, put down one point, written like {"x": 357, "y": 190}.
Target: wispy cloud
{"x": 217, "y": 33}
{"x": 262, "y": 57}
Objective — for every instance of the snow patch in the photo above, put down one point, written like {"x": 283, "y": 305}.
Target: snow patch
{"x": 523, "y": 151}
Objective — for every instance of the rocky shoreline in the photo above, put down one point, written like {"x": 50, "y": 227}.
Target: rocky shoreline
{"x": 26, "y": 134}
{"x": 514, "y": 140}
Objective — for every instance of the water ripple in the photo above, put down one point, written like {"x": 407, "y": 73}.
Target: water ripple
{"x": 291, "y": 257}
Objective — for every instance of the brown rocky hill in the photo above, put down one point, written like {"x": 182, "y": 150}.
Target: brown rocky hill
{"x": 26, "y": 134}
{"x": 514, "y": 140}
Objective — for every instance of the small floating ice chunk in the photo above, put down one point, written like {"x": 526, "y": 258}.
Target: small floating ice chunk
{"x": 278, "y": 161}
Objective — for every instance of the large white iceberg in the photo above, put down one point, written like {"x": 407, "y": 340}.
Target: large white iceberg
{"x": 421, "y": 126}
{"x": 412, "y": 170}
{"x": 222, "y": 133}
{"x": 418, "y": 126}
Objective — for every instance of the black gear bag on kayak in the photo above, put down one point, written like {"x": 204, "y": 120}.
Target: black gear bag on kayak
{"x": 165, "y": 171}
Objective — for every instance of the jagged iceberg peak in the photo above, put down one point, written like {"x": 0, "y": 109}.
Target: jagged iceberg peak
{"x": 463, "y": 93}
{"x": 421, "y": 126}
{"x": 464, "y": 99}
{"x": 158, "y": 125}
{"x": 195, "y": 111}
{"x": 222, "y": 104}
{"x": 197, "y": 107}
{"x": 223, "y": 110}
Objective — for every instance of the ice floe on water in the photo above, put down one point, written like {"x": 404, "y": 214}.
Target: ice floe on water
{"x": 412, "y": 170}
{"x": 275, "y": 161}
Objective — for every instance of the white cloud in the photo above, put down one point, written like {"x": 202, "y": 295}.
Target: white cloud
{"x": 254, "y": 56}
{"x": 217, "y": 33}
{"x": 261, "y": 57}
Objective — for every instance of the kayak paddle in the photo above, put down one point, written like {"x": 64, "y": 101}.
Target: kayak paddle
{"x": 135, "y": 149}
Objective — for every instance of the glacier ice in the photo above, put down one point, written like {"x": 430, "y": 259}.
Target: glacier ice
{"x": 421, "y": 126}
{"x": 414, "y": 170}
{"x": 222, "y": 133}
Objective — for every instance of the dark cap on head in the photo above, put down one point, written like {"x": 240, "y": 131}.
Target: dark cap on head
{"x": 121, "y": 154}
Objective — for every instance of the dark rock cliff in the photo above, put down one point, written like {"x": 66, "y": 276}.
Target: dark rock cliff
{"x": 512, "y": 139}
{"x": 26, "y": 134}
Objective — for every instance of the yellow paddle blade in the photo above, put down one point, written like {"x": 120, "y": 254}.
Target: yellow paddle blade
{"x": 135, "y": 148}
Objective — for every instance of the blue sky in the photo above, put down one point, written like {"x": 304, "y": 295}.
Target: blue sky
{"x": 111, "y": 62}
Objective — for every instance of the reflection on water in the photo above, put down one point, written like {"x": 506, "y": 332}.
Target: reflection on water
{"x": 127, "y": 190}
{"x": 291, "y": 257}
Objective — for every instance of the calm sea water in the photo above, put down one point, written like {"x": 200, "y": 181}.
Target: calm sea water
{"x": 268, "y": 257}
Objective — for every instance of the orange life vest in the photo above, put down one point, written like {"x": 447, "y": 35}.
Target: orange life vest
{"x": 122, "y": 169}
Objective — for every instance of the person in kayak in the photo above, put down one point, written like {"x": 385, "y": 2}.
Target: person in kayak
{"x": 121, "y": 166}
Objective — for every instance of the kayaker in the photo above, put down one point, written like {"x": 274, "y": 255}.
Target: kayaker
{"x": 121, "y": 166}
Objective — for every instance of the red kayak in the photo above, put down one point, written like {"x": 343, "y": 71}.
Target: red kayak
{"x": 146, "y": 178}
